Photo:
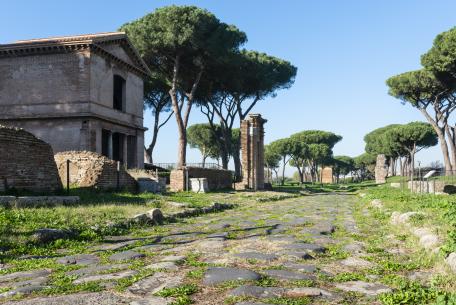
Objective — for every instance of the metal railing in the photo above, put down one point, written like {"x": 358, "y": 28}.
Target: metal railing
{"x": 170, "y": 166}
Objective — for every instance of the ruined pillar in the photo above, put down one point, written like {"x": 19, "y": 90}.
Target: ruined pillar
{"x": 252, "y": 146}
{"x": 381, "y": 169}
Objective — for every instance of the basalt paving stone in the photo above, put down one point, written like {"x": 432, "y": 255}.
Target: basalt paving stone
{"x": 356, "y": 262}
{"x": 155, "y": 283}
{"x": 79, "y": 259}
{"x": 106, "y": 277}
{"x": 221, "y": 235}
{"x": 257, "y": 292}
{"x": 370, "y": 289}
{"x": 257, "y": 256}
{"x": 297, "y": 254}
{"x": 26, "y": 290}
{"x": 152, "y": 301}
{"x": 38, "y": 281}
{"x": 306, "y": 246}
{"x": 24, "y": 275}
{"x": 112, "y": 246}
{"x": 97, "y": 269}
{"x": 250, "y": 303}
{"x": 323, "y": 229}
{"x": 300, "y": 267}
{"x": 282, "y": 238}
{"x": 126, "y": 255}
{"x": 287, "y": 275}
{"x": 163, "y": 266}
{"x": 217, "y": 275}
{"x": 97, "y": 298}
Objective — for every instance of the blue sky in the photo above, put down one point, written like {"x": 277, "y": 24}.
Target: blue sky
{"x": 344, "y": 51}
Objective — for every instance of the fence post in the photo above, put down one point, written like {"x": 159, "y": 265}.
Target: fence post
{"x": 68, "y": 176}
{"x": 118, "y": 175}
{"x": 186, "y": 179}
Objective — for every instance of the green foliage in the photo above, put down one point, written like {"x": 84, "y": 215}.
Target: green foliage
{"x": 180, "y": 294}
{"x": 441, "y": 58}
{"x": 343, "y": 165}
{"x": 416, "y": 87}
{"x": 271, "y": 158}
{"x": 204, "y": 138}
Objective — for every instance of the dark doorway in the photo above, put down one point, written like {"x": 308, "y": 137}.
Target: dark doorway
{"x": 117, "y": 146}
{"x": 105, "y": 139}
{"x": 131, "y": 152}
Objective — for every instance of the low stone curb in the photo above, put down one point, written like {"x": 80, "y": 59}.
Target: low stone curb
{"x": 37, "y": 201}
{"x": 427, "y": 239}
{"x": 155, "y": 216}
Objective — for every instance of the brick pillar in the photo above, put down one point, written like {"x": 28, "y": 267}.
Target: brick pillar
{"x": 252, "y": 146}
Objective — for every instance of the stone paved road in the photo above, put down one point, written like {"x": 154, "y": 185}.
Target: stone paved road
{"x": 265, "y": 253}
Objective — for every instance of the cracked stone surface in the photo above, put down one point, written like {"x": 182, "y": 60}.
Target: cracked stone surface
{"x": 258, "y": 252}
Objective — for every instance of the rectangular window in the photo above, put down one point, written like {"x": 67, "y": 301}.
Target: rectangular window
{"x": 119, "y": 93}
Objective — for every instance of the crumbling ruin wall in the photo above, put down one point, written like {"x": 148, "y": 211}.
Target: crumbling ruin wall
{"x": 216, "y": 178}
{"x": 89, "y": 169}
{"x": 327, "y": 175}
{"x": 26, "y": 162}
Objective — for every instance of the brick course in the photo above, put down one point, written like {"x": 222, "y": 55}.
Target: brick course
{"x": 26, "y": 163}
{"x": 89, "y": 169}
{"x": 216, "y": 178}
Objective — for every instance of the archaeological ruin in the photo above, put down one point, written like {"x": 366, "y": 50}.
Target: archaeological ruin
{"x": 27, "y": 163}
{"x": 252, "y": 147}
{"x": 381, "y": 169}
{"x": 83, "y": 93}
{"x": 92, "y": 170}
{"x": 327, "y": 175}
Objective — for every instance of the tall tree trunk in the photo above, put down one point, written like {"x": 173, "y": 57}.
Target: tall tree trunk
{"x": 150, "y": 150}
{"x": 443, "y": 144}
{"x": 237, "y": 165}
{"x": 283, "y": 169}
{"x": 204, "y": 160}
{"x": 451, "y": 141}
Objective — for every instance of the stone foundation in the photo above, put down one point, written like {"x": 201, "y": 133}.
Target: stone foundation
{"x": 432, "y": 187}
{"x": 216, "y": 178}
{"x": 26, "y": 162}
{"x": 89, "y": 169}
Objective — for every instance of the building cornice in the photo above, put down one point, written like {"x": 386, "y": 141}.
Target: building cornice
{"x": 71, "y": 44}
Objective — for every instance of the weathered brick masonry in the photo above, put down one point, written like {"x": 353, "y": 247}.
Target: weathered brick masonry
{"x": 89, "y": 169}
{"x": 252, "y": 146}
{"x": 217, "y": 178}
{"x": 26, "y": 163}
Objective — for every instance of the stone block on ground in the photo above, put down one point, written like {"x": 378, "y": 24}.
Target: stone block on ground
{"x": 199, "y": 185}
{"x": 48, "y": 235}
{"x": 218, "y": 275}
{"x": 370, "y": 289}
{"x": 126, "y": 255}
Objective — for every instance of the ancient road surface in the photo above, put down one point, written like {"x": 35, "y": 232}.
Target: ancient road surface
{"x": 267, "y": 253}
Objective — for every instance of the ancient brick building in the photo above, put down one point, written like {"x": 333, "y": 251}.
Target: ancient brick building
{"x": 89, "y": 169}
{"x": 252, "y": 146}
{"x": 77, "y": 93}
{"x": 26, "y": 163}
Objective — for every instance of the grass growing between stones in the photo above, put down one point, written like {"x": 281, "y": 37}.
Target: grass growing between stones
{"x": 416, "y": 276}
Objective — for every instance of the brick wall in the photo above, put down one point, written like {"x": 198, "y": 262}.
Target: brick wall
{"x": 327, "y": 175}
{"x": 252, "y": 146}
{"x": 26, "y": 163}
{"x": 89, "y": 169}
{"x": 217, "y": 178}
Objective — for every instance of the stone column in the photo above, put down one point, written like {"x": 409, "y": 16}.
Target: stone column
{"x": 381, "y": 169}
{"x": 252, "y": 146}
